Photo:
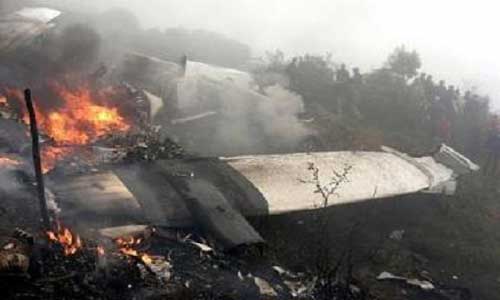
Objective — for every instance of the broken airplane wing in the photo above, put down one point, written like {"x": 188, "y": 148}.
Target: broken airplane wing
{"x": 213, "y": 193}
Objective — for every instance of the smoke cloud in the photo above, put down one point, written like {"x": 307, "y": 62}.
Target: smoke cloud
{"x": 247, "y": 121}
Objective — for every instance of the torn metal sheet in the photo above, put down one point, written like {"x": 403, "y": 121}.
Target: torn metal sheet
{"x": 125, "y": 231}
{"x": 155, "y": 103}
{"x": 157, "y": 76}
{"x": 217, "y": 217}
{"x": 42, "y": 14}
{"x": 208, "y": 88}
{"x": 423, "y": 284}
{"x": 99, "y": 200}
{"x": 219, "y": 74}
{"x": 22, "y": 27}
{"x": 193, "y": 118}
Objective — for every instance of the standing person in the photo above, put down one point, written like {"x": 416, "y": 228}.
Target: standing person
{"x": 441, "y": 91}
{"x": 355, "y": 93}
{"x": 422, "y": 78}
{"x": 357, "y": 78}
{"x": 343, "y": 75}
{"x": 472, "y": 126}
{"x": 430, "y": 89}
{"x": 342, "y": 81}
{"x": 437, "y": 113}
{"x": 444, "y": 129}
{"x": 492, "y": 147}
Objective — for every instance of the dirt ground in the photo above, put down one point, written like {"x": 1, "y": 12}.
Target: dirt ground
{"x": 453, "y": 240}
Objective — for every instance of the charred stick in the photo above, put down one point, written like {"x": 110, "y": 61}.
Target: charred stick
{"x": 37, "y": 160}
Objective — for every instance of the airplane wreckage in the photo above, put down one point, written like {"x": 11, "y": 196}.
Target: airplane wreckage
{"x": 217, "y": 193}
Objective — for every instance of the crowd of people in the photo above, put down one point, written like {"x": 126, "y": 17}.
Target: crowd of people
{"x": 448, "y": 115}
{"x": 451, "y": 115}
{"x": 396, "y": 102}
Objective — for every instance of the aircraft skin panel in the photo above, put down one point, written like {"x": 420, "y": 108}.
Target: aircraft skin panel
{"x": 215, "y": 193}
{"x": 41, "y": 14}
{"x": 286, "y": 181}
{"x": 20, "y": 27}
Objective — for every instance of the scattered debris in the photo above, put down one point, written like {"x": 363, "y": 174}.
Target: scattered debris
{"x": 285, "y": 273}
{"x": 193, "y": 118}
{"x": 203, "y": 247}
{"x": 265, "y": 289}
{"x": 423, "y": 284}
{"x": 15, "y": 253}
{"x": 159, "y": 266}
{"x": 397, "y": 235}
{"x": 144, "y": 231}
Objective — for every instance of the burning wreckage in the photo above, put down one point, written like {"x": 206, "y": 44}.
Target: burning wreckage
{"x": 112, "y": 176}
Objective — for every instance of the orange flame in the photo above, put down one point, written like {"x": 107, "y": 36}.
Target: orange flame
{"x": 80, "y": 120}
{"x": 147, "y": 259}
{"x": 69, "y": 241}
{"x": 100, "y": 251}
{"x": 51, "y": 155}
{"x": 126, "y": 246}
{"x": 6, "y": 162}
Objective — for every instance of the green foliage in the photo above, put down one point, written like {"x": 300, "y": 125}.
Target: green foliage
{"x": 400, "y": 112}
{"x": 404, "y": 63}
{"x": 385, "y": 94}
{"x": 312, "y": 77}
{"x": 275, "y": 61}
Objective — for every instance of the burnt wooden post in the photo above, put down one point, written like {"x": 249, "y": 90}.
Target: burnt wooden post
{"x": 37, "y": 160}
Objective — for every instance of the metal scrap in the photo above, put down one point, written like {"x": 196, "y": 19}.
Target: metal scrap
{"x": 423, "y": 284}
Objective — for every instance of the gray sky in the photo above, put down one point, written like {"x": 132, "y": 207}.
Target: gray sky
{"x": 458, "y": 40}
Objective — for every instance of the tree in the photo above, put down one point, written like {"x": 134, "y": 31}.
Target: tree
{"x": 311, "y": 76}
{"x": 404, "y": 63}
{"x": 276, "y": 60}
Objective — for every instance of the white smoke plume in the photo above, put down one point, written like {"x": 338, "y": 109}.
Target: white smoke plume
{"x": 247, "y": 121}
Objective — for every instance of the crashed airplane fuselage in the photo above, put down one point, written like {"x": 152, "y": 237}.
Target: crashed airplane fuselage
{"x": 215, "y": 193}
{"x": 218, "y": 191}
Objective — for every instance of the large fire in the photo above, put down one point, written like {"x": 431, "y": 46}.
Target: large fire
{"x": 80, "y": 120}
{"x": 82, "y": 117}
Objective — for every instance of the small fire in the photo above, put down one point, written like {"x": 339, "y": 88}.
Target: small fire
{"x": 100, "y": 251}
{"x": 7, "y": 162}
{"x": 69, "y": 241}
{"x": 127, "y": 246}
{"x": 13, "y": 93}
{"x": 147, "y": 259}
{"x": 51, "y": 155}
